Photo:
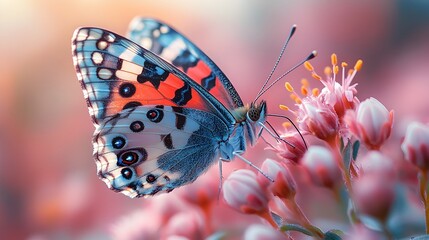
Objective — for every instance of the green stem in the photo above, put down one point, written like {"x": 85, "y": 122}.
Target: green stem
{"x": 294, "y": 207}
{"x": 333, "y": 143}
{"x": 423, "y": 182}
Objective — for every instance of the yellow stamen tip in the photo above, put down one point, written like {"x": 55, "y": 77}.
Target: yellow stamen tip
{"x": 293, "y": 96}
{"x": 298, "y": 101}
{"x": 288, "y": 87}
{"x": 287, "y": 125}
{"x": 305, "y": 82}
{"x": 304, "y": 90}
{"x": 328, "y": 71}
{"x": 358, "y": 65}
{"x": 336, "y": 69}
{"x": 283, "y": 107}
{"x": 334, "y": 60}
{"x": 344, "y": 64}
{"x": 315, "y": 76}
{"x": 315, "y": 92}
{"x": 308, "y": 66}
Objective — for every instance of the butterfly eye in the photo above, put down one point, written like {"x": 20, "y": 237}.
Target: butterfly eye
{"x": 118, "y": 142}
{"x": 137, "y": 126}
{"x": 155, "y": 115}
{"x": 253, "y": 113}
{"x": 126, "y": 173}
{"x": 127, "y": 90}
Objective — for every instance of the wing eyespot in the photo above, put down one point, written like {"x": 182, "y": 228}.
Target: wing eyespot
{"x": 118, "y": 142}
{"x": 127, "y": 90}
{"x": 137, "y": 126}
{"x": 127, "y": 173}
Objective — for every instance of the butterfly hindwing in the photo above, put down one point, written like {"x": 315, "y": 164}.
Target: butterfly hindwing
{"x": 149, "y": 149}
{"x": 176, "y": 49}
{"x": 117, "y": 74}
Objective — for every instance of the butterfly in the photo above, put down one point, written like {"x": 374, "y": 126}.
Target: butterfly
{"x": 163, "y": 111}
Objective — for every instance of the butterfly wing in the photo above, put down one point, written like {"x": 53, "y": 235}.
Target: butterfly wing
{"x": 176, "y": 49}
{"x": 150, "y": 149}
{"x": 117, "y": 74}
{"x": 157, "y": 129}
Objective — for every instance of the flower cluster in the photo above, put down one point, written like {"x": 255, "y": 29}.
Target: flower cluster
{"x": 340, "y": 149}
{"x": 345, "y": 153}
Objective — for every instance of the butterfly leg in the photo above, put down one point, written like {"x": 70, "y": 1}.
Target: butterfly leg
{"x": 238, "y": 154}
{"x": 275, "y": 135}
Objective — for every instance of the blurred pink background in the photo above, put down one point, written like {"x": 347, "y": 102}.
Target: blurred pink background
{"x": 48, "y": 183}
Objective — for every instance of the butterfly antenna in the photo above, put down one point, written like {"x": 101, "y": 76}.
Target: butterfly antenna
{"x": 292, "y": 31}
{"x": 312, "y": 55}
{"x": 293, "y": 124}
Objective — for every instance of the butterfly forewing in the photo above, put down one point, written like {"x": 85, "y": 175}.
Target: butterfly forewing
{"x": 176, "y": 49}
{"x": 117, "y": 74}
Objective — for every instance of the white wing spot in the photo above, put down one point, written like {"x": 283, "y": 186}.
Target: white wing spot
{"x": 156, "y": 33}
{"x": 174, "y": 49}
{"x": 146, "y": 43}
{"x": 164, "y": 29}
{"x": 110, "y": 38}
{"x": 104, "y": 73}
{"x": 102, "y": 45}
{"x": 137, "y": 25}
{"x": 97, "y": 58}
{"x": 82, "y": 35}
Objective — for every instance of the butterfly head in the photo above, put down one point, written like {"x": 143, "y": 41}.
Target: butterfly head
{"x": 256, "y": 115}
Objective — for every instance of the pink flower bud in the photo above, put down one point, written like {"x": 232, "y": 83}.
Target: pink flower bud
{"x": 243, "y": 193}
{"x": 283, "y": 186}
{"x": 189, "y": 224}
{"x": 288, "y": 152}
{"x": 416, "y": 145}
{"x": 374, "y": 196}
{"x": 322, "y": 167}
{"x": 375, "y": 162}
{"x": 372, "y": 123}
{"x": 318, "y": 118}
{"x": 259, "y": 231}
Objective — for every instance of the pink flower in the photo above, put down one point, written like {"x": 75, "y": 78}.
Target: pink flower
{"x": 374, "y": 196}
{"x": 262, "y": 232}
{"x": 202, "y": 192}
{"x": 318, "y": 118}
{"x": 371, "y": 124}
{"x": 288, "y": 152}
{"x": 322, "y": 167}
{"x": 416, "y": 145}
{"x": 283, "y": 186}
{"x": 340, "y": 96}
{"x": 188, "y": 224}
{"x": 243, "y": 193}
{"x": 375, "y": 162}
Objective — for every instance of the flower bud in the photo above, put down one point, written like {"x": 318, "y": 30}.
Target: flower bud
{"x": 318, "y": 118}
{"x": 416, "y": 145}
{"x": 189, "y": 224}
{"x": 375, "y": 162}
{"x": 283, "y": 186}
{"x": 372, "y": 123}
{"x": 259, "y": 231}
{"x": 374, "y": 196}
{"x": 293, "y": 151}
{"x": 243, "y": 193}
{"x": 322, "y": 167}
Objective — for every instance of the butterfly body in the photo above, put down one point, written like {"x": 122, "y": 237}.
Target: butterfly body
{"x": 163, "y": 111}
